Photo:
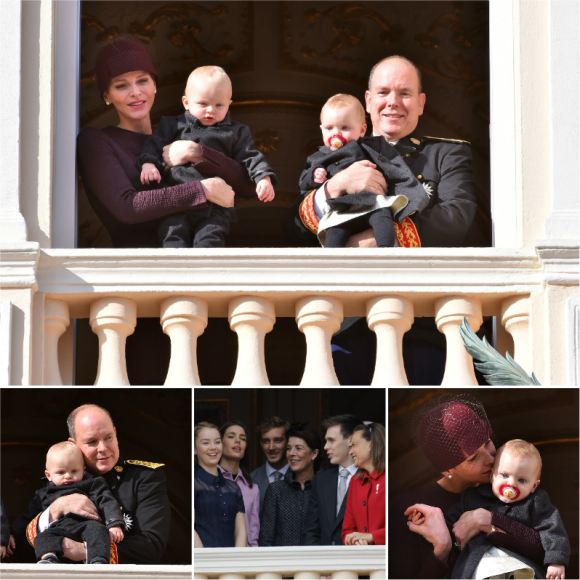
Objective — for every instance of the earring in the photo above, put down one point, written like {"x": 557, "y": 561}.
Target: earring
{"x": 449, "y": 476}
{"x": 107, "y": 103}
{"x": 155, "y": 91}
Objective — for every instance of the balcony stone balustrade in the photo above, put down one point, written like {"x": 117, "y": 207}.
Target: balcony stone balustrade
{"x": 76, "y": 571}
{"x": 298, "y": 562}
{"x": 252, "y": 288}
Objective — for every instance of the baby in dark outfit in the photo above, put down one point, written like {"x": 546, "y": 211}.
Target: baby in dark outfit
{"x": 343, "y": 127}
{"x": 65, "y": 468}
{"x": 206, "y": 120}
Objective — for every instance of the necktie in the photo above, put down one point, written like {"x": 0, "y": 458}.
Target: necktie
{"x": 277, "y": 475}
{"x": 341, "y": 488}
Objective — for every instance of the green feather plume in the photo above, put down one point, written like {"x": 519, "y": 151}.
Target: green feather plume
{"x": 496, "y": 369}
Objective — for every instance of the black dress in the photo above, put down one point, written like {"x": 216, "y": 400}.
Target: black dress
{"x": 284, "y": 512}
{"x": 217, "y": 502}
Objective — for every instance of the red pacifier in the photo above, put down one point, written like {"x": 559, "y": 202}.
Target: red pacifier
{"x": 336, "y": 142}
{"x": 509, "y": 492}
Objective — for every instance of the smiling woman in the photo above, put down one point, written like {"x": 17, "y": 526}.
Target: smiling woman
{"x": 286, "y": 501}
{"x": 219, "y": 520}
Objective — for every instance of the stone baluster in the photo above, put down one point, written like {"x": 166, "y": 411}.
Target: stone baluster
{"x": 344, "y": 575}
{"x": 318, "y": 317}
{"x": 251, "y": 318}
{"x": 197, "y": 576}
{"x": 515, "y": 316}
{"x": 56, "y": 321}
{"x": 232, "y": 576}
{"x": 113, "y": 320}
{"x": 390, "y": 317}
{"x": 378, "y": 575}
{"x": 268, "y": 576}
{"x": 307, "y": 576}
{"x": 449, "y": 313}
{"x": 183, "y": 319}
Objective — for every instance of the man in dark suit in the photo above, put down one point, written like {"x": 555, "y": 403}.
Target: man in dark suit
{"x": 323, "y": 524}
{"x": 272, "y": 433}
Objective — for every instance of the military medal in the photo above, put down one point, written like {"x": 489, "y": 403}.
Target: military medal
{"x": 128, "y": 521}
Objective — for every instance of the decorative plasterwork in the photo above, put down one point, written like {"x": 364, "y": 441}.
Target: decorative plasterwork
{"x": 561, "y": 261}
{"x": 18, "y": 265}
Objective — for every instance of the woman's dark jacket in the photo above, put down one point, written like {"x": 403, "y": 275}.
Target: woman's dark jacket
{"x": 284, "y": 512}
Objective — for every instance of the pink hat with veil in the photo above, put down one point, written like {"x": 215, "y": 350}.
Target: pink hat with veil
{"x": 450, "y": 428}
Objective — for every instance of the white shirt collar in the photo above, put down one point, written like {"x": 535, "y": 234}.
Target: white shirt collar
{"x": 389, "y": 142}
{"x": 270, "y": 470}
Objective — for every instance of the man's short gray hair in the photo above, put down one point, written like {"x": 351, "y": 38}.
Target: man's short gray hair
{"x": 419, "y": 76}
{"x": 70, "y": 422}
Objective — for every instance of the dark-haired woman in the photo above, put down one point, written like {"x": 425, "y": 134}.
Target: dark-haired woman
{"x": 233, "y": 466}
{"x": 286, "y": 501}
{"x": 365, "y": 517}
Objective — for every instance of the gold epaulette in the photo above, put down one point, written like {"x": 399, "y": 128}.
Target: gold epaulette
{"x": 448, "y": 140}
{"x": 144, "y": 463}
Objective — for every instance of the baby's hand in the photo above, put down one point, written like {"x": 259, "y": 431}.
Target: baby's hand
{"x": 116, "y": 534}
{"x": 265, "y": 190}
{"x": 555, "y": 571}
{"x": 150, "y": 173}
{"x": 417, "y": 517}
{"x": 319, "y": 175}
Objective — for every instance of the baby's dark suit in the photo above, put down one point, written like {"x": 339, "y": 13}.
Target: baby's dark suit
{"x": 79, "y": 528}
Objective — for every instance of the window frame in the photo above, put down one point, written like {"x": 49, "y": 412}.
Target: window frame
{"x": 503, "y": 142}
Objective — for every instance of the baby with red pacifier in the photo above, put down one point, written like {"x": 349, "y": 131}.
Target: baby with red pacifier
{"x": 342, "y": 121}
{"x": 514, "y": 493}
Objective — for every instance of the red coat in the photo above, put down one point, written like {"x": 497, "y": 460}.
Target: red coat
{"x": 366, "y": 507}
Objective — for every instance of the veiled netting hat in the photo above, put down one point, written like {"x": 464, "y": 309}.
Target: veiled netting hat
{"x": 450, "y": 428}
{"x": 121, "y": 56}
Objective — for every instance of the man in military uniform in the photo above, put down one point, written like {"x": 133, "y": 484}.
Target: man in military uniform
{"x": 395, "y": 102}
{"x": 138, "y": 486}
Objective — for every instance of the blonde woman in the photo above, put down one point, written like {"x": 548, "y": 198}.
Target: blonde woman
{"x": 219, "y": 520}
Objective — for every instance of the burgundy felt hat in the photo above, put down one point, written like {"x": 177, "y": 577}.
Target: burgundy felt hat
{"x": 121, "y": 56}
{"x": 451, "y": 428}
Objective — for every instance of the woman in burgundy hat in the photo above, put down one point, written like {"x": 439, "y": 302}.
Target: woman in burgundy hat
{"x": 455, "y": 435}
{"x": 107, "y": 157}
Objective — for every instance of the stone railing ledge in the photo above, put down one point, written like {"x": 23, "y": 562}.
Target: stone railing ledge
{"x": 289, "y": 560}
{"x": 84, "y": 571}
{"x": 18, "y": 264}
{"x": 561, "y": 261}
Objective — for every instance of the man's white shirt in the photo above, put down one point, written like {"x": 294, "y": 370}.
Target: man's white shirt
{"x": 270, "y": 471}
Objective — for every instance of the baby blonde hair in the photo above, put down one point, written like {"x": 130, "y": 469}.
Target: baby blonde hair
{"x": 341, "y": 101}
{"x": 65, "y": 448}
{"x": 211, "y": 73}
{"x": 521, "y": 448}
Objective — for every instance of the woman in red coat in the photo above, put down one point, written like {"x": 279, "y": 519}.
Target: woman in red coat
{"x": 365, "y": 516}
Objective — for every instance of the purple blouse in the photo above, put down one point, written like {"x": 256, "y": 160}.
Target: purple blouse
{"x": 251, "y": 503}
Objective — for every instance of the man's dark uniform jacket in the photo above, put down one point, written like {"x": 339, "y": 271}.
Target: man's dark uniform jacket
{"x": 535, "y": 511}
{"x": 140, "y": 490}
{"x": 400, "y": 178}
{"x": 322, "y": 526}
{"x": 445, "y": 166}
